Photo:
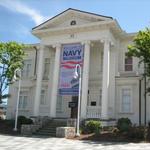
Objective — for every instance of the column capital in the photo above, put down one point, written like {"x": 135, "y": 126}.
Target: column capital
{"x": 56, "y": 45}
{"x": 88, "y": 42}
{"x": 39, "y": 46}
{"x": 107, "y": 41}
{"x": 42, "y": 46}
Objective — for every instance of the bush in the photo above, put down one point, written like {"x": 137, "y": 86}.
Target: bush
{"x": 136, "y": 133}
{"x": 124, "y": 124}
{"x": 93, "y": 126}
{"x": 24, "y": 120}
{"x": 9, "y": 123}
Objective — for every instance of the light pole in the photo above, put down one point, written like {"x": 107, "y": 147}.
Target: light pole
{"x": 77, "y": 75}
{"x": 17, "y": 73}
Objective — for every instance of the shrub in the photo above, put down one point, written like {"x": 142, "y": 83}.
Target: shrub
{"x": 93, "y": 126}
{"x": 136, "y": 133}
{"x": 24, "y": 120}
{"x": 147, "y": 133}
{"x": 7, "y": 122}
{"x": 124, "y": 124}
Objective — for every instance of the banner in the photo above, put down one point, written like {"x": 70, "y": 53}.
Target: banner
{"x": 71, "y": 55}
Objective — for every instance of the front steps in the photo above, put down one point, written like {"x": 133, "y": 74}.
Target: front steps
{"x": 50, "y": 128}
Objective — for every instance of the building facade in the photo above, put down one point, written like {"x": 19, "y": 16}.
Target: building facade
{"x": 111, "y": 86}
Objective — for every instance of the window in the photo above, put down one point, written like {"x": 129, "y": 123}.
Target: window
{"x": 59, "y": 104}
{"x": 23, "y": 98}
{"x": 73, "y": 22}
{"x": 126, "y": 100}
{"x": 46, "y": 68}
{"x": 43, "y": 97}
{"x": 128, "y": 64}
{"x": 26, "y": 72}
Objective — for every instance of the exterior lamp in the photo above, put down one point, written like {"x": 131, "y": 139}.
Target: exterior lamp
{"x": 17, "y": 76}
{"x": 77, "y": 75}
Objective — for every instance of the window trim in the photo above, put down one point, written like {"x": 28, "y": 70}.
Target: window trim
{"x": 28, "y": 97}
{"x": 24, "y": 72}
{"x": 121, "y": 99}
{"x": 73, "y": 22}
{"x": 45, "y": 97}
{"x": 124, "y": 64}
{"x": 61, "y": 108}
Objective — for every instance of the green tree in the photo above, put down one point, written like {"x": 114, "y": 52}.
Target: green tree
{"x": 11, "y": 58}
{"x": 141, "y": 49}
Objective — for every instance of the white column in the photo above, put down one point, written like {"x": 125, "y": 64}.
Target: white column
{"x": 38, "y": 82}
{"x": 105, "y": 80}
{"x": 55, "y": 81}
{"x": 85, "y": 79}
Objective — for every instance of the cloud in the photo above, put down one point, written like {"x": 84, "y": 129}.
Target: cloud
{"x": 16, "y": 6}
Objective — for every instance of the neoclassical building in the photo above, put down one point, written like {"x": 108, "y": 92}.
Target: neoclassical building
{"x": 112, "y": 86}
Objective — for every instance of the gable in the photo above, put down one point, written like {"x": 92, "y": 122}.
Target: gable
{"x": 65, "y": 18}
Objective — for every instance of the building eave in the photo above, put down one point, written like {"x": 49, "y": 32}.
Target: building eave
{"x": 73, "y": 29}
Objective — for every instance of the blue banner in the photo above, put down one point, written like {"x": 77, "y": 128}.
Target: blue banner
{"x": 71, "y": 55}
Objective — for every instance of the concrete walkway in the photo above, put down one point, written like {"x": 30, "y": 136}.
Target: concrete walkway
{"x": 43, "y": 143}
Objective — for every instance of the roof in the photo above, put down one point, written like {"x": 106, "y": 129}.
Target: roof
{"x": 72, "y": 10}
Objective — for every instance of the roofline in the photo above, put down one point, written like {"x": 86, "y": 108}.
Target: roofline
{"x": 68, "y": 10}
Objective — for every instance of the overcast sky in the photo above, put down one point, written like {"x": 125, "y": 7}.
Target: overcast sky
{"x": 18, "y": 17}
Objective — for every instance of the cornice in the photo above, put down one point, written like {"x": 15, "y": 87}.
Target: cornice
{"x": 74, "y": 29}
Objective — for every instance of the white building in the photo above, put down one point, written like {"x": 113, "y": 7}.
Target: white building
{"x": 110, "y": 81}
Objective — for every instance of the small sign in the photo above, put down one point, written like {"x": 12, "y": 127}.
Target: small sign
{"x": 72, "y": 104}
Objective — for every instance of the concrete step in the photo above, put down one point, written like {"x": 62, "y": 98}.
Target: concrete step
{"x": 50, "y": 128}
{"x": 48, "y": 131}
{"x": 51, "y": 124}
{"x": 45, "y": 134}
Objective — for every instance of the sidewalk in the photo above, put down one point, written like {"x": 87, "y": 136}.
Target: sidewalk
{"x": 44, "y": 143}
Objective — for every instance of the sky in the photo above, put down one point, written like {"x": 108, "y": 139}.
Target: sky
{"x": 18, "y": 17}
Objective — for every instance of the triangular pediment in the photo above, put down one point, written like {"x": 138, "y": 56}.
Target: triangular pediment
{"x": 71, "y": 17}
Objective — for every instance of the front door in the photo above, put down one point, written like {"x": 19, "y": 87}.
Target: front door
{"x": 74, "y": 110}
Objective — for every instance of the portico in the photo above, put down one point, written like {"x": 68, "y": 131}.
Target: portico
{"x": 100, "y": 109}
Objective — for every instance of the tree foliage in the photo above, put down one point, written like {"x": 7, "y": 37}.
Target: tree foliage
{"x": 11, "y": 58}
{"x": 141, "y": 49}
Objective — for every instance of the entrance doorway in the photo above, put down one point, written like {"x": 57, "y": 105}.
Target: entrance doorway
{"x": 74, "y": 110}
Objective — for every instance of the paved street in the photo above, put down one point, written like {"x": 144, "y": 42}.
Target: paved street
{"x": 35, "y": 143}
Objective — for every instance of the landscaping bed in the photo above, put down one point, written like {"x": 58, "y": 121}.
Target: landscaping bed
{"x": 7, "y": 126}
{"x": 124, "y": 131}
{"x": 108, "y": 137}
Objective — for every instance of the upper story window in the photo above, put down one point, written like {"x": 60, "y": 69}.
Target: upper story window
{"x": 73, "y": 22}
{"x": 23, "y": 99}
{"x": 128, "y": 64}
{"x": 46, "y": 68}
{"x": 26, "y": 71}
{"x": 126, "y": 100}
